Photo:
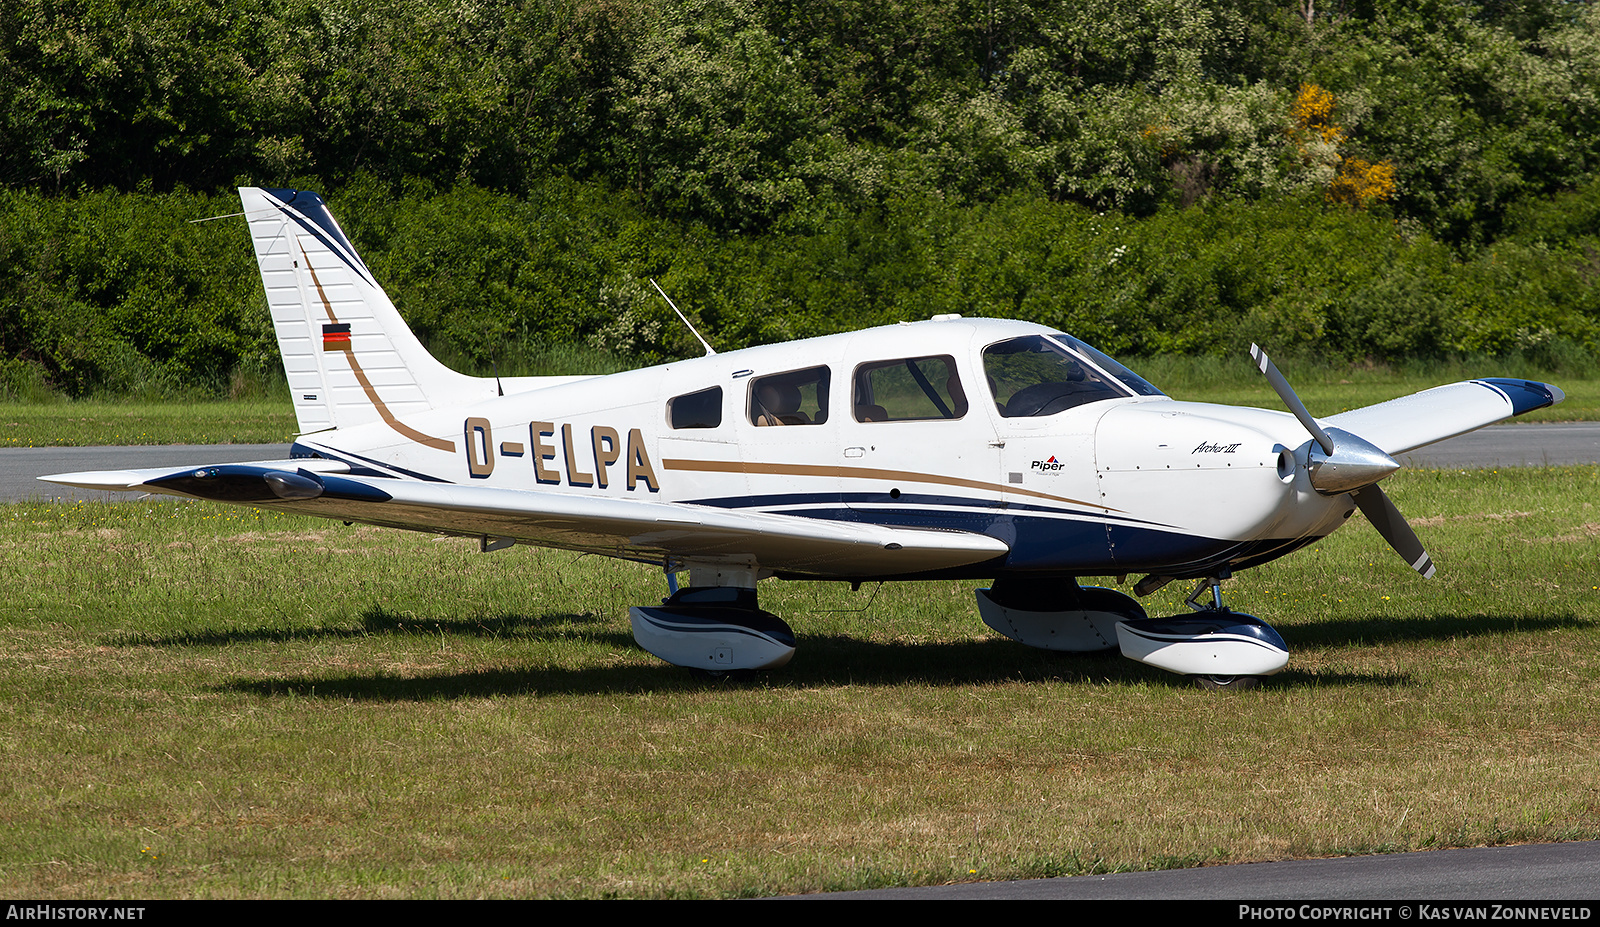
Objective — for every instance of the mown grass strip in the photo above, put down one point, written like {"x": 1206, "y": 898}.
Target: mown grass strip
{"x": 89, "y": 423}
{"x": 218, "y": 702}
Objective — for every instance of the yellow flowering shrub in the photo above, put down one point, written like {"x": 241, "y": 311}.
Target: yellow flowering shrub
{"x": 1350, "y": 180}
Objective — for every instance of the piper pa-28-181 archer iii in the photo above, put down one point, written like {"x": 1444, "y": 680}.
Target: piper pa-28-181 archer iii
{"x": 949, "y": 448}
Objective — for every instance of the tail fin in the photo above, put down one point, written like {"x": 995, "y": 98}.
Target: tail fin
{"x": 349, "y": 356}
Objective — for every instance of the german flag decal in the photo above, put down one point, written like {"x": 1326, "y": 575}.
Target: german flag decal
{"x": 336, "y": 337}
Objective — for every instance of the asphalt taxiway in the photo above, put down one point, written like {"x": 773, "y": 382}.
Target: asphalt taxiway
{"x": 1556, "y": 875}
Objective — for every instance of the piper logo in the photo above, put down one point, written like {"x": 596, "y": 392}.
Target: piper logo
{"x": 1047, "y": 466}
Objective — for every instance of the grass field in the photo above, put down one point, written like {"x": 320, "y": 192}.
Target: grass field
{"x": 106, "y": 422}
{"x": 218, "y": 702}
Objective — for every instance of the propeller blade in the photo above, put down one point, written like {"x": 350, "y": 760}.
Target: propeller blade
{"x": 1286, "y": 393}
{"x": 1392, "y": 525}
{"x": 1359, "y": 463}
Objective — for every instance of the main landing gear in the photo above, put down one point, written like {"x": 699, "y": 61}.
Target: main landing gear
{"x": 1056, "y": 614}
{"x": 1219, "y": 648}
{"x": 716, "y": 628}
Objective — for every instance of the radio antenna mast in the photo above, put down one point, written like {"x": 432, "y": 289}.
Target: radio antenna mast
{"x": 709, "y": 350}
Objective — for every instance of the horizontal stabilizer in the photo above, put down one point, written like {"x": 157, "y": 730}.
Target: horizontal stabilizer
{"x": 139, "y": 480}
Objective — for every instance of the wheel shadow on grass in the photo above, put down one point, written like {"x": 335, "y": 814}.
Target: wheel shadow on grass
{"x": 819, "y": 662}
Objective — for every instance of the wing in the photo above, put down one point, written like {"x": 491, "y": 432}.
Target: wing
{"x": 1430, "y": 416}
{"x": 634, "y": 529}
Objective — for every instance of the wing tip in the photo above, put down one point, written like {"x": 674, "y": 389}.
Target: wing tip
{"x": 107, "y": 480}
{"x": 1525, "y": 395}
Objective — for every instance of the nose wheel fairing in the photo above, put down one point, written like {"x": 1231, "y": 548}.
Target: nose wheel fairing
{"x": 1213, "y": 643}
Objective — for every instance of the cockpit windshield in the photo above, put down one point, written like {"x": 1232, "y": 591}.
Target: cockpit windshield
{"x": 1045, "y": 374}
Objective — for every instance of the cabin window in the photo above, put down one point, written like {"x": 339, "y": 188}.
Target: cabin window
{"x": 1042, "y": 375}
{"x": 799, "y": 397}
{"x": 696, "y": 410}
{"x": 909, "y": 390}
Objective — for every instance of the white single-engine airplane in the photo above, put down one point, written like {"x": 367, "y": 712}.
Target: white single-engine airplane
{"x": 969, "y": 448}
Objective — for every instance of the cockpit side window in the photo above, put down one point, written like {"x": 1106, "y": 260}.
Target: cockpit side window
{"x": 1037, "y": 375}
{"x": 696, "y": 410}
{"x": 799, "y": 397}
{"x": 909, "y": 389}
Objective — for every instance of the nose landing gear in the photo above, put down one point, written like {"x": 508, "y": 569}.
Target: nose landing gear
{"x": 1220, "y": 648}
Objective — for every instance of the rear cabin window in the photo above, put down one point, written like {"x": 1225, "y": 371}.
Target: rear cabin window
{"x": 799, "y": 397}
{"x": 911, "y": 389}
{"x": 696, "y": 410}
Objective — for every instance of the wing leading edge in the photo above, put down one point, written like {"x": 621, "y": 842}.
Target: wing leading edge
{"x": 634, "y": 529}
{"x": 1434, "y": 415}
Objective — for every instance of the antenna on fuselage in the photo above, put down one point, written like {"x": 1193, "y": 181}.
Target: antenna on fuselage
{"x": 709, "y": 350}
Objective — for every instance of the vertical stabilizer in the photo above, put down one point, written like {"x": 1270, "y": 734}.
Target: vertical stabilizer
{"x": 350, "y": 358}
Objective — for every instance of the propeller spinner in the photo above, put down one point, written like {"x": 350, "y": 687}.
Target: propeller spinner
{"x": 1345, "y": 463}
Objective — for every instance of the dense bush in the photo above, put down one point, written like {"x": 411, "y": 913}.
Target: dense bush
{"x": 1378, "y": 179}
{"x": 122, "y": 293}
